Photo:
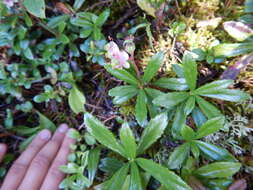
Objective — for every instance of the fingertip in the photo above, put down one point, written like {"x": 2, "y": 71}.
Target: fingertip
{"x": 63, "y": 128}
{"x": 45, "y": 134}
{"x": 3, "y": 148}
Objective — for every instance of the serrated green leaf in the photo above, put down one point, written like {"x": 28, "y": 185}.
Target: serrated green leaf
{"x": 123, "y": 93}
{"x": 102, "y": 17}
{"x": 207, "y": 108}
{"x": 135, "y": 178}
{"x": 141, "y": 108}
{"x": 128, "y": 141}
{"x": 232, "y": 50}
{"x": 76, "y": 100}
{"x": 93, "y": 159}
{"x": 214, "y": 152}
{"x": 102, "y": 134}
{"x": 153, "y": 66}
{"x": 152, "y": 132}
{"x": 218, "y": 170}
{"x": 227, "y": 94}
{"x": 118, "y": 179}
{"x": 178, "y": 156}
{"x": 190, "y": 70}
{"x": 172, "y": 83}
{"x": 122, "y": 74}
{"x": 162, "y": 174}
{"x": 215, "y": 85}
{"x": 178, "y": 121}
{"x": 209, "y": 127}
{"x": 36, "y": 8}
{"x": 189, "y": 105}
{"x": 171, "y": 99}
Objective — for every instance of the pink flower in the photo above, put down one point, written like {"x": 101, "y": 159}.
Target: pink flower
{"x": 119, "y": 58}
{"x": 9, "y": 3}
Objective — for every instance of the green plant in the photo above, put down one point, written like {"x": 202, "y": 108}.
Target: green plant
{"x": 194, "y": 145}
{"x": 138, "y": 86}
{"x": 131, "y": 151}
{"x": 185, "y": 102}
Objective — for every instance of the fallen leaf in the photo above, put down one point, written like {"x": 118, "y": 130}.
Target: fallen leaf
{"x": 240, "y": 184}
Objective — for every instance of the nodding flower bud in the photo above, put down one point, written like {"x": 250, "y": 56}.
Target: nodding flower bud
{"x": 118, "y": 58}
{"x": 129, "y": 45}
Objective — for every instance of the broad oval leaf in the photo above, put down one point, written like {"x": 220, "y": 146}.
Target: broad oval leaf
{"x": 162, "y": 174}
{"x": 238, "y": 30}
{"x": 135, "y": 178}
{"x": 207, "y": 108}
{"x": 153, "y": 66}
{"x": 209, "y": 127}
{"x": 190, "y": 70}
{"x": 123, "y": 93}
{"x": 152, "y": 132}
{"x": 215, "y": 85}
{"x": 232, "y": 50}
{"x": 214, "y": 152}
{"x": 227, "y": 94}
{"x": 178, "y": 156}
{"x": 36, "y": 8}
{"x": 141, "y": 108}
{"x": 102, "y": 134}
{"x": 172, "y": 83}
{"x": 218, "y": 170}
{"x": 171, "y": 99}
{"x": 76, "y": 100}
{"x": 128, "y": 141}
{"x": 122, "y": 74}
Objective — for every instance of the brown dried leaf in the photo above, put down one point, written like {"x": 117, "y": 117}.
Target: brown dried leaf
{"x": 63, "y": 8}
{"x": 233, "y": 70}
{"x": 240, "y": 184}
{"x": 195, "y": 184}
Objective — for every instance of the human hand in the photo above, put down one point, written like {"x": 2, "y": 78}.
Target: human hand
{"x": 37, "y": 168}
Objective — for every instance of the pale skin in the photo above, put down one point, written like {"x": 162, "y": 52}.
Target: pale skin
{"x": 37, "y": 168}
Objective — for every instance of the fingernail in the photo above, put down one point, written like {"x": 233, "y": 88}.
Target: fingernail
{"x": 45, "y": 134}
{"x": 2, "y": 148}
{"x": 63, "y": 128}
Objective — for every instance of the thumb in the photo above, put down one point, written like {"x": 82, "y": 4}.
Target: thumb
{"x": 3, "y": 149}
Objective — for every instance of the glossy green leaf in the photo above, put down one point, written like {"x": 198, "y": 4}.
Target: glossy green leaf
{"x": 218, "y": 170}
{"x": 178, "y": 156}
{"x": 128, "y": 141}
{"x": 152, "y": 132}
{"x": 209, "y": 127}
{"x": 46, "y": 123}
{"x": 97, "y": 35}
{"x": 76, "y": 100}
{"x": 232, "y": 50}
{"x": 78, "y": 4}
{"x": 28, "y": 53}
{"x": 141, "y": 108}
{"x": 36, "y": 8}
{"x": 187, "y": 132}
{"x": 207, "y": 108}
{"x": 123, "y": 93}
{"x": 195, "y": 150}
{"x": 190, "y": 70}
{"x": 172, "y": 83}
{"x": 102, "y": 134}
{"x": 122, "y": 75}
{"x": 153, "y": 93}
{"x": 228, "y": 95}
{"x": 189, "y": 105}
{"x": 110, "y": 165}
{"x": 118, "y": 179}
{"x": 135, "y": 178}
{"x": 178, "y": 121}
{"x": 214, "y": 152}
{"x": 198, "y": 117}
{"x": 215, "y": 85}
{"x": 153, "y": 66}
{"x": 171, "y": 99}
{"x": 93, "y": 159}
{"x": 56, "y": 21}
{"x": 248, "y": 6}
{"x": 102, "y": 17}
{"x": 162, "y": 174}
{"x": 178, "y": 69}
